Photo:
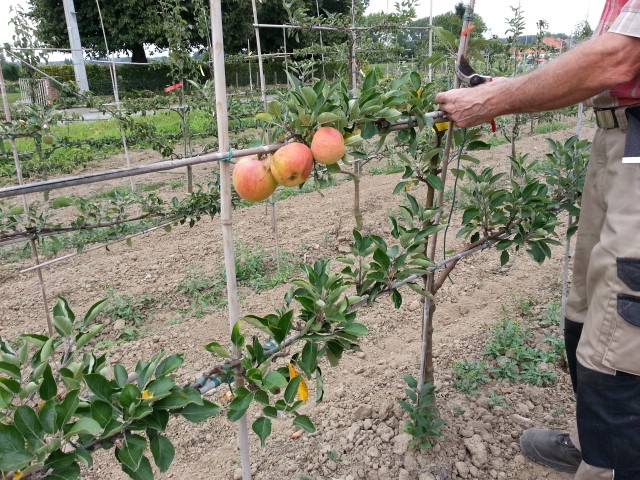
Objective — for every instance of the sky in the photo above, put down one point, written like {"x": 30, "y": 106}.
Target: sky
{"x": 562, "y": 15}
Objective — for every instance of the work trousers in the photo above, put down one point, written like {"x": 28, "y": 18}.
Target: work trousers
{"x": 605, "y": 296}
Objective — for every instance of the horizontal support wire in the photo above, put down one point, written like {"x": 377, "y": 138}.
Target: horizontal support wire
{"x": 132, "y": 171}
{"x": 56, "y": 184}
{"x": 346, "y": 28}
{"x": 97, "y": 247}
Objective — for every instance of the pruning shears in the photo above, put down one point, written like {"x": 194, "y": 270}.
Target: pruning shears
{"x": 469, "y": 78}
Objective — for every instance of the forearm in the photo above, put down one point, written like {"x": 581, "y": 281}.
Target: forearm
{"x": 579, "y": 74}
{"x": 588, "y": 69}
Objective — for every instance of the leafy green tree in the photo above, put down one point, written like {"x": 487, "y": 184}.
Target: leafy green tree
{"x": 132, "y": 24}
{"x": 543, "y": 31}
{"x": 452, "y": 21}
{"x": 274, "y": 12}
{"x": 582, "y": 31}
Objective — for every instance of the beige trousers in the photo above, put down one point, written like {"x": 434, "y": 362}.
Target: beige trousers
{"x": 609, "y": 230}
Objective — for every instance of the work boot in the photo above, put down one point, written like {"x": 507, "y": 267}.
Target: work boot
{"x": 551, "y": 448}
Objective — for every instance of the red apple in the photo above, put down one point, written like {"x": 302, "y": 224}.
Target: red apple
{"x": 291, "y": 165}
{"x": 327, "y": 146}
{"x": 252, "y": 179}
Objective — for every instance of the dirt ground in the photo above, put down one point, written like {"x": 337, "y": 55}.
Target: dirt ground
{"x": 360, "y": 422}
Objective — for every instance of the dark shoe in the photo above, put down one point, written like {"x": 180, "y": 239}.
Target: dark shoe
{"x": 551, "y": 448}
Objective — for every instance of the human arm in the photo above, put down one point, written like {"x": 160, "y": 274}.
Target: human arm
{"x": 590, "y": 68}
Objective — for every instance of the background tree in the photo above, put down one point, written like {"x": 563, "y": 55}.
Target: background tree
{"x": 452, "y": 21}
{"x": 543, "y": 31}
{"x": 274, "y": 12}
{"x": 582, "y": 31}
{"x": 132, "y": 24}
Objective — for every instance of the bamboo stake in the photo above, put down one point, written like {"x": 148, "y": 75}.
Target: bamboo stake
{"x": 428, "y": 308}
{"x": 263, "y": 90}
{"x": 226, "y": 208}
{"x": 352, "y": 50}
{"x": 116, "y": 94}
{"x": 324, "y": 74}
{"x": 25, "y": 204}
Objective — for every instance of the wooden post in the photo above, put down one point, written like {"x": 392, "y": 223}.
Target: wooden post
{"x": 226, "y": 209}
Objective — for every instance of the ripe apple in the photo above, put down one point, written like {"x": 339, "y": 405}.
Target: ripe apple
{"x": 327, "y": 146}
{"x": 252, "y": 179}
{"x": 291, "y": 165}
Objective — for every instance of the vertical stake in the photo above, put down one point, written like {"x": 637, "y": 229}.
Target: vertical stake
{"x": 263, "y": 89}
{"x": 226, "y": 208}
{"x": 25, "y": 205}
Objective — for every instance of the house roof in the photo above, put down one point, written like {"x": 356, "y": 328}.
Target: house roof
{"x": 552, "y": 42}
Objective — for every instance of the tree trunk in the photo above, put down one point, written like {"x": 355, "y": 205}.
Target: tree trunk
{"x": 138, "y": 54}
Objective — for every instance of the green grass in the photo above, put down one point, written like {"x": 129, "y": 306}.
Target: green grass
{"x": 13, "y": 97}
{"x": 388, "y": 169}
{"x": 254, "y": 269}
{"x": 62, "y": 202}
{"x": 550, "y": 127}
{"x": 515, "y": 351}
{"x": 133, "y": 310}
{"x": 16, "y": 210}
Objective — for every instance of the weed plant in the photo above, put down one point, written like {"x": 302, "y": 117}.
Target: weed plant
{"x": 254, "y": 269}
{"x": 424, "y": 423}
{"x": 515, "y": 352}
{"x": 133, "y": 310}
{"x": 470, "y": 375}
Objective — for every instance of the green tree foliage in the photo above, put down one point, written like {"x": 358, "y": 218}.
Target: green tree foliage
{"x": 414, "y": 42}
{"x": 10, "y": 71}
{"x": 582, "y": 31}
{"x": 274, "y": 12}
{"x": 132, "y": 24}
{"x": 452, "y": 21}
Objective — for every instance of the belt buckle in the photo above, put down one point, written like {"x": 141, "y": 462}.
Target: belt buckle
{"x": 606, "y": 119}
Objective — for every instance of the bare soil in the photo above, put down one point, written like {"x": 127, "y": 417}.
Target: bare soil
{"x": 359, "y": 422}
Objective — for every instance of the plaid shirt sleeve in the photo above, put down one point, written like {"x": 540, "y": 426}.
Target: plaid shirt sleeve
{"x": 628, "y": 22}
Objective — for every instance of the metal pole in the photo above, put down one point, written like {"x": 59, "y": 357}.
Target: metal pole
{"x": 25, "y": 204}
{"x": 250, "y": 74}
{"x": 226, "y": 208}
{"x": 123, "y": 135}
{"x": 165, "y": 165}
{"x": 324, "y": 74}
{"x": 76, "y": 47}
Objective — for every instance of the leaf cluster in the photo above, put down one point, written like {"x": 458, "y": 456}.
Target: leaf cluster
{"x": 59, "y": 403}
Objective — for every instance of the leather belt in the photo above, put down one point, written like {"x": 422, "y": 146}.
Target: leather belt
{"x": 608, "y": 118}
